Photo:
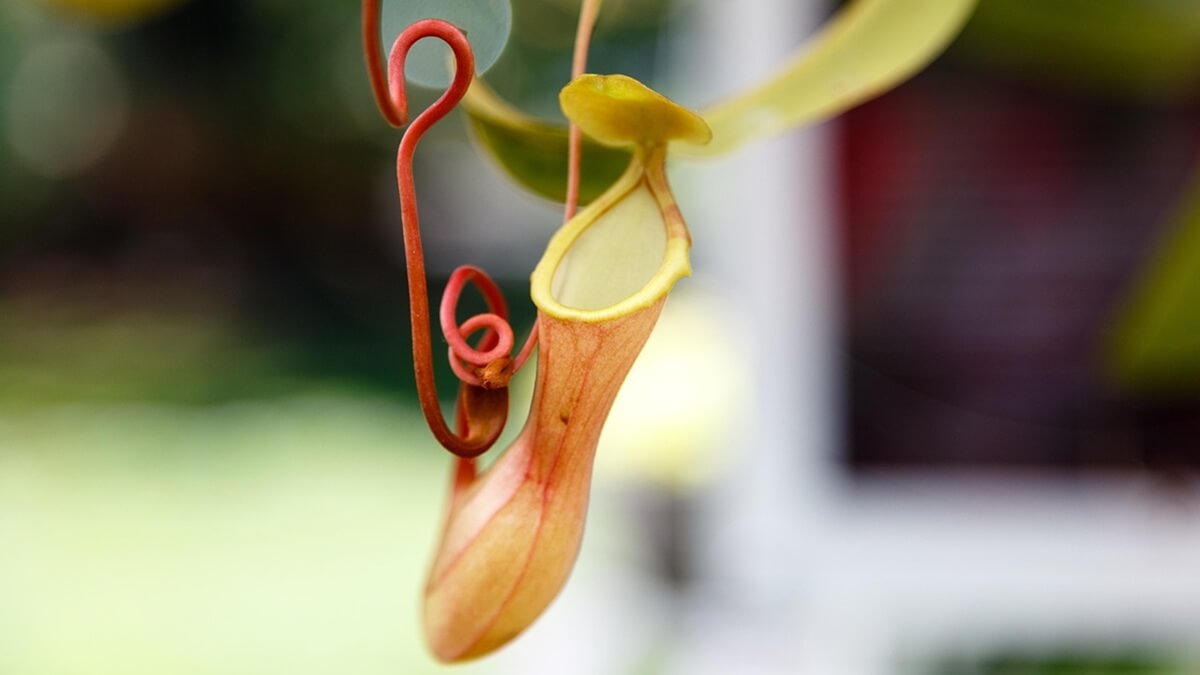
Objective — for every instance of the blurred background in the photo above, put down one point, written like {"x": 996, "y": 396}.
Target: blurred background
{"x": 951, "y": 424}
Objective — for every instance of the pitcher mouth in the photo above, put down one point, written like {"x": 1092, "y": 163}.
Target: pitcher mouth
{"x": 620, "y": 255}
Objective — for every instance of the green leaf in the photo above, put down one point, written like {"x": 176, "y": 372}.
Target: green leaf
{"x": 534, "y": 153}
{"x": 1156, "y": 344}
{"x": 867, "y": 48}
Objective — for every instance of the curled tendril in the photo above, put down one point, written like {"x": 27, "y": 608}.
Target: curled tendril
{"x": 484, "y": 370}
{"x": 497, "y": 342}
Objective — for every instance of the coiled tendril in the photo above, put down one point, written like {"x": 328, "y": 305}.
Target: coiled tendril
{"x": 486, "y": 369}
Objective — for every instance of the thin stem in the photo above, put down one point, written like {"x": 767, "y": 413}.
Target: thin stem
{"x": 527, "y": 349}
{"x": 588, "y": 12}
{"x": 417, "y": 291}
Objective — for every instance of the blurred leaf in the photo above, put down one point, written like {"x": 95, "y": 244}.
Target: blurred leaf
{"x": 534, "y": 153}
{"x": 868, "y": 48}
{"x": 1156, "y": 343}
{"x": 1115, "y": 46}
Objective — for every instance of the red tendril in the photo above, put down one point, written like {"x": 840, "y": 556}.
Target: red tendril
{"x": 484, "y": 370}
{"x": 498, "y": 341}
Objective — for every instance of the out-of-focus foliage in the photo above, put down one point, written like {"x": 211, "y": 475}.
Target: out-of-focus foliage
{"x": 61, "y": 354}
{"x": 869, "y": 47}
{"x": 190, "y": 259}
{"x": 113, "y": 11}
{"x": 534, "y": 153}
{"x": 1111, "y": 660}
{"x": 18, "y": 27}
{"x": 1157, "y": 342}
{"x": 1145, "y": 48}
{"x": 68, "y": 106}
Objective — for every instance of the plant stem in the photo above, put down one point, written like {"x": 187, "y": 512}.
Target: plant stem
{"x": 588, "y": 12}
